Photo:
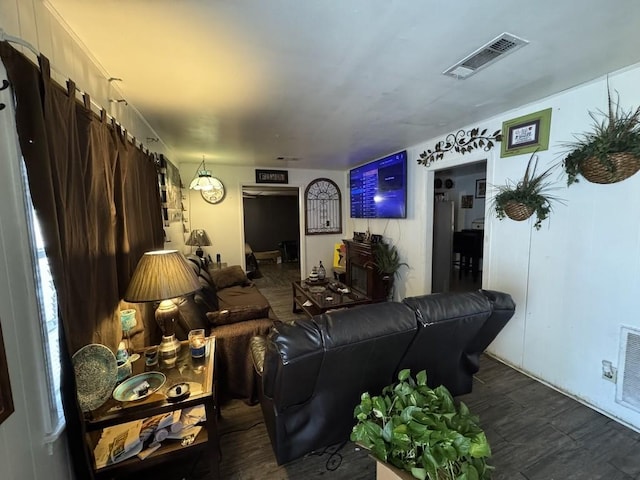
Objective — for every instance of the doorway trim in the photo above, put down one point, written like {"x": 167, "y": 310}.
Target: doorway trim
{"x": 289, "y": 187}
{"x": 460, "y": 162}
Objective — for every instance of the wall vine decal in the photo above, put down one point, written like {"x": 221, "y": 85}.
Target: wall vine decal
{"x": 463, "y": 141}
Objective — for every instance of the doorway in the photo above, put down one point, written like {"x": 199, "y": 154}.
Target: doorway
{"x": 271, "y": 216}
{"x": 458, "y": 228}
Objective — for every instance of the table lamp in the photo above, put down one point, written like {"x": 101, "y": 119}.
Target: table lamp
{"x": 200, "y": 238}
{"x": 162, "y": 275}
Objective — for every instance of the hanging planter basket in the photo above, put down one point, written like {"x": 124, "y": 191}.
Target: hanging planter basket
{"x": 622, "y": 166}
{"x": 518, "y": 211}
{"x": 610, "y": 151}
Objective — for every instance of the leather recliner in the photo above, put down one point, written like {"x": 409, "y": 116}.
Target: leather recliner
{"x": 314, "y": 371}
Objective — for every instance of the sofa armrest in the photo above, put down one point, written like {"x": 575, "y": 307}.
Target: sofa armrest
{"x": 258, "y": 347}
{"x": 237, "y": 314}
{"x": 292, "y": 360}
{"x": 502, "y": 309}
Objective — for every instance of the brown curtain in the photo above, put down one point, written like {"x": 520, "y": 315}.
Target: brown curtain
{"x": 97, "y": 199}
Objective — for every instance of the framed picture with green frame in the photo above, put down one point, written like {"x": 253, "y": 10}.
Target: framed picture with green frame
{"x": 526, "y": 134}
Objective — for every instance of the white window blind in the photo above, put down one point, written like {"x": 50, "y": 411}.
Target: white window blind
{"x": 48, "y": 313}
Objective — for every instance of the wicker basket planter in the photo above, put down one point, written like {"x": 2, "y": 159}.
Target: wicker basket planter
{"x": 610, "y": 152}
{"x": 519, "y": 200}
{"x": 623, "y": 165}
{"x": 518, "y": 211}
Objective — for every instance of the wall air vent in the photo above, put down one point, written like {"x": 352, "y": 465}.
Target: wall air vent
{"x": 485, "y": 55}
{"x": 628, "y": 385}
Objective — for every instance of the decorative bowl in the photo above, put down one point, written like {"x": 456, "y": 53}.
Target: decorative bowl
{"x": 139, "y": 387}
{"x": 96, "y": 372}
{"x": 178, "y": 392}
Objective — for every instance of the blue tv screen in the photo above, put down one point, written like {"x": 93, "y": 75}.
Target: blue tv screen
{"x": 378, "y": 189}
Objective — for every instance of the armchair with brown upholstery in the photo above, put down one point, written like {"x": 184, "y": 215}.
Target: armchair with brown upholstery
{"x": 232, "y": 308}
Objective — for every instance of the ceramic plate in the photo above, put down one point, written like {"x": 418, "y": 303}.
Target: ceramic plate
{"x": 96, "y": 372}
{"x": 134, "y": 388}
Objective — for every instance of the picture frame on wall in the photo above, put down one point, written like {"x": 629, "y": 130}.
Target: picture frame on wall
{"x": 466, "y": 201}
{"x": 170, "y": 191}
{"x": 481, "y": 188}
{"x": 272, "y": 176}
{"x": 526, "y": 134}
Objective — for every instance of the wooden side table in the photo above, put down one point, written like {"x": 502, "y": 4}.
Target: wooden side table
{"x": 185, "y": 369}
{"x": 217, "y": 266}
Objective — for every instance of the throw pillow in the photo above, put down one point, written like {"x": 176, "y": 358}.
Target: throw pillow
{"x": 203, "y": 274}
{"x": 207, "y": 295}
{"x": 238, "y": 314}
{"x": 229, "y": 276}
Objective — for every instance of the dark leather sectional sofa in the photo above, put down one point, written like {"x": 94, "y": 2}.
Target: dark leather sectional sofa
{"x": 313, "y": 371}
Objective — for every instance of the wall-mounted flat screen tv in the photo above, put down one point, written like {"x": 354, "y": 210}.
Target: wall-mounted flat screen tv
{"x": 378, "y": 189}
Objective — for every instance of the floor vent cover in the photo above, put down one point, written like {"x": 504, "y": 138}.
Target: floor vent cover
{"x": 628, "y": 386}
{"x": 485, "y": 55}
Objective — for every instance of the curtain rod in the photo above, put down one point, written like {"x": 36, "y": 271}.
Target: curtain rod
{"x": 4, "y": 36}
{"x": 19, "y": 41}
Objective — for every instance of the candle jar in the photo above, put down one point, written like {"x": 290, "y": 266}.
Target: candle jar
{"x": 124, "y": 370}
{"x": 197, "y": 343}
{"x": 151, "y": 356}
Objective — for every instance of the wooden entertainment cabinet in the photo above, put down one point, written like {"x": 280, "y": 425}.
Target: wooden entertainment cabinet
{"x": 361, "y": 272}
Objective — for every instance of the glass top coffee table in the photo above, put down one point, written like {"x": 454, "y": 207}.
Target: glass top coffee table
{"x": 314, "y": 298}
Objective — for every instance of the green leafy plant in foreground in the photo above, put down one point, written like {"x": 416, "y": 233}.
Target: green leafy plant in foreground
{"x": 422, "y": 431}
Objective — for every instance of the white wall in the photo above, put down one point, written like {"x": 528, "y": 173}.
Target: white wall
{"x": 575, "y": 281}
{"x": 408, "y": 234}
{"x": 579, "y": 275}
{"x": 224, "y": 221}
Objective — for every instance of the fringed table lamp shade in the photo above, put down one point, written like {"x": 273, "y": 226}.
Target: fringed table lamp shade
{"x": 200, "y": 238}
{"x": 160, "y": 276}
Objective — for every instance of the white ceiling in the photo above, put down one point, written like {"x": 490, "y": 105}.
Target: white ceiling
{"x": 334, "y": 84}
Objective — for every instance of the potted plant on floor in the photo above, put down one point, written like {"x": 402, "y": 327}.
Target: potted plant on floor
{"x": 609, "y": 153}
{"x": 520, "y": 200}
{"x": 420, "y": 430}
{"x": 387, "y": 262}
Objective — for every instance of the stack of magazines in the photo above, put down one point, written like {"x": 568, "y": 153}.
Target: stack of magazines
{"x": 145, "y": 436}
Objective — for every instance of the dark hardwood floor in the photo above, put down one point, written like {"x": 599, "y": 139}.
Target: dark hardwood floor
{"x": 274, "y": 275}
{"x": 535, "y": 432}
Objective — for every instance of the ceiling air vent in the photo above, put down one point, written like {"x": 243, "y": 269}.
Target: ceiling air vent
{"x": 485, "y": 55}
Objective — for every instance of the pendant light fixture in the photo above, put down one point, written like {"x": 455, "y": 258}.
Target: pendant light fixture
{"x": 203, "y": 179}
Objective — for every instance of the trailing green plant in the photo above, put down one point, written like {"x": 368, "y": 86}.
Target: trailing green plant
{"x": 421, "y": 430}
{"x": 386, "y": 258}
{"x": 614, "y": 131}
{"x": 533, "y": 192}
